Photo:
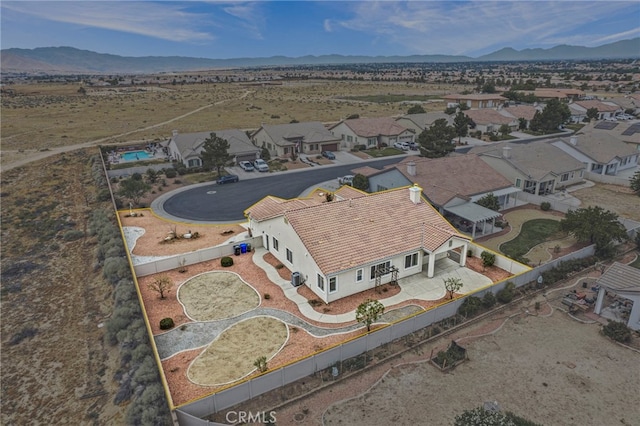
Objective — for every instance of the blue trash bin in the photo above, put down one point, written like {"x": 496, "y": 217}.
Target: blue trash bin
{"x": 243, "y": 248}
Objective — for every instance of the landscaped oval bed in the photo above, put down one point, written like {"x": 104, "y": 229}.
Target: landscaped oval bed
{"x": 232, "y": 355}
{"x": 217, "y": 295}
{"x": 532, "y": 233}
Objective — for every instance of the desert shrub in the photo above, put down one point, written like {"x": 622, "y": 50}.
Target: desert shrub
{"x": 182, "y": 171}
{"x": 545, "y": 206}
{"x": 104, "y": 195}
{"x": 115, "y": 269}
{"x": 506, "y": 294}
{"x": 564, "y": 269}
{"x": 170, "y": 173}
{"x": 73, "y": 235}
{"x": 267, "y": 296}
{"x": 480, "y": 416}
{"x": 488, "y": 300}
{"x": 136, "y": 176}
{"x": 488, "y": 258}
{"x": 226, "y": 261}
{"x": 25, "y": 333}
{"x": 617, "y": 331}
{"x": 166, "y": 323}
{"x": 469, "y": 253}
{"x": 470, "y": 306}
{"x": 177, "y": 181}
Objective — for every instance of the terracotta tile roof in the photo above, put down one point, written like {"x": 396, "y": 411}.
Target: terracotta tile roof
{"x": 599, "y": 105}
{"x": 522, "y": 111}
{"x": 370, "y": 127}
{"x": 346, "y": 192}
{"x": 488, "y": 116}
{"x": 270, "y": 207}
{"x": 365, "y": 171}
{"x": 443, "y": 179}
{"x": 341, "y": 235}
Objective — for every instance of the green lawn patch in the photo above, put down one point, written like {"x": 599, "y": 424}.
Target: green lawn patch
{"x": 384, "y": 152}
{"x": 533, "y": 232}
{"x": 636, "y": 263}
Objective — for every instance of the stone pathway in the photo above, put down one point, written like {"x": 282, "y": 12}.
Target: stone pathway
{"x": 198, "y": 334}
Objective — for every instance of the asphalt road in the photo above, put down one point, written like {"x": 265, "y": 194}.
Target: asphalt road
{"x": 226, "y": 203}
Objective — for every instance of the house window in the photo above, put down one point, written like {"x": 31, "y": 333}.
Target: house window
{"x": 384, "y": 268}
{"x": 349, "y": 138}
{"x": 195, "y": 162}
{"x": 320, "y": 282}
{"x": 450, "y": 243}
{"x": 286, "y": 150}
{"x": 289, "y": 256}
{"x": 564, "y": 177}
{"x": 372, "y": 141}
{"x": 359, "y": 275}
{"x": 333, "y": 284}
{"x": 411, "y": 260}
{"x": 275, "y": 244}
{"x": 518, "y": 183}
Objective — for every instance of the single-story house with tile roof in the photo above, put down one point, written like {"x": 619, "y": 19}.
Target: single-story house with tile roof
{"x": 490, "y": 120}
{"x": 536, "y": 167}
{"x": 357, "y": 241}
{"x": 371, "y": 132}
{"x": 546, "y": 94}
{"x": 522, "y": 111}
{"x": 624, "y": 281}
{"x": 478, "y": 101}
{"x": 420, "y": 122}
{"x": 282, "y": 140}
{"x": 451, "y": 184}
{"x": 601, "y": 153}
{"x": 186, "y": 147}
{"x": 605, "y": 110}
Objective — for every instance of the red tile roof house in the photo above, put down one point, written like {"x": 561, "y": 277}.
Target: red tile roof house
{"x": 349, "y": 245}
{"x": 475, "y": 100}
{"x": 450, "y": 184}
{"x": 282, "y": 140}
{"x": 605, "y": 110}
{"x": 371, "y": 132}
{"x": 186, "y": 147}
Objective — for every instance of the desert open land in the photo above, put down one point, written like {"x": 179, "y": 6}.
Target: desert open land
{"x": 57, "y": 366}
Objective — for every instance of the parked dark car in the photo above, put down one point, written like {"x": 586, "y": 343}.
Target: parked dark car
{"x": 328, "y": 154}
{"x": 227, "y": 179}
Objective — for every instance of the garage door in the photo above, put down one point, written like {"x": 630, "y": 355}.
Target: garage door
{"x": 330, "y": 147}
{"x": 245, "y": 157}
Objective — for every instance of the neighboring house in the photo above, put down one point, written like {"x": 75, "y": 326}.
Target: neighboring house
{"x": 186, "y": 147}
{"x": 626, "y": 131}
{"x": 371, "y": 132}
{"x": 605, "y": 110}
{"x": 490, "y": 120}
{"x": 601, "y": 154}
{"x": 535, "y": 167}
{"x": 283, "y": 140}
{"x": 522, "y": 111}
{"x": 451, "y": 184}
{"x": 623, "y": 281}
{"x": 357, "y": 241}
{"x": 477, "y": 101}
{"x": 420, "y": 122}
{"x": 560, "y": 94}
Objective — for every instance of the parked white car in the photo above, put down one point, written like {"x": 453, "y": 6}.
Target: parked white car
{"x": 246, "y": 166}
{"x": 346, "y": 180}
{"x": 402, "y": 145}
{"x": 261, "y": 165}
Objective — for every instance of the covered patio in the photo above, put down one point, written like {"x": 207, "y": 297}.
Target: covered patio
{"x": 474, "y": 216}
{"x": 623, "y": 281}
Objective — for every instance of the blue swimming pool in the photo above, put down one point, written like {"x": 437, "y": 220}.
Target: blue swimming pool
{"x": 135, "y": 155}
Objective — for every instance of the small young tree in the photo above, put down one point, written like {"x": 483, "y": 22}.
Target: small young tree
{"x": 368, "y": 312}
{"x": 635, "y": 183}
{"x": 488, "y": 258}
{"x": 592, "y": 113}
{"x": 452, "y": 285}
{"x": 261, "y": 364}
{"x": 152, "y": 175}
{"x": 133, "y": 189}
{"x": 161, "y": 285}
{"x": 416, "y": 109}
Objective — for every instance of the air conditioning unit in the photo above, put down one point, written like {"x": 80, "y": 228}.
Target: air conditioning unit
{"x": 296, "y": 279}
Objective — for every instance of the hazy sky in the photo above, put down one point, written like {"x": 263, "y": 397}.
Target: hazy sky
{"x": 219, "y": 29}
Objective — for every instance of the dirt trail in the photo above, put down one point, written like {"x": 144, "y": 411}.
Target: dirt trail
{"x": 39, "y": 155}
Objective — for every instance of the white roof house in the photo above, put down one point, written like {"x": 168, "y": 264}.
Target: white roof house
{"x": 345, "y": 246}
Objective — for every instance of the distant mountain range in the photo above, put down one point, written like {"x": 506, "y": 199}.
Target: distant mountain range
{"x": 69, "y": 60}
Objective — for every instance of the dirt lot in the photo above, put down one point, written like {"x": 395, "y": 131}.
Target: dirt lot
{"x": 540, "y": 364}
{"x": 618, "y": 199}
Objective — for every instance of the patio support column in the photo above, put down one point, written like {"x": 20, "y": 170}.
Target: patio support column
{"x": 493, "y": 224}
{"x": 473, "y": 230}
{"x": 463, "y": 254}
{"x": 432, "y": 265}
{"x": 599, "y": 301}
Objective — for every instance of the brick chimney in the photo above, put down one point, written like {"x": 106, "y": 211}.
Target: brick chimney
{"x": 414, "y": 194}
{"x": 411, "y": 168}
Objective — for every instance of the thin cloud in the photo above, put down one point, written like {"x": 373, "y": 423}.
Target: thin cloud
{"x": 159, "y": 20}
{"x": 249, "y": 16}
{"x": 467, "y": 27}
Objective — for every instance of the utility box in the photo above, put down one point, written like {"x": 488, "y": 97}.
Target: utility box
{"x": 295, "y": 279}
